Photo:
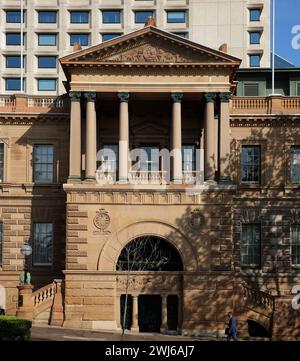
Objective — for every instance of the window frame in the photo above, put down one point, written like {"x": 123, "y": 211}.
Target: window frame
{"x": 250, "y": 84}
{"x": 34, "y": 164}
{"x": 7, "y": 56}
{"x": 119, "y": 11}
{"x": 251, "y": 33}
{"x": 292, "y": 244}
{"x": 251, "y": 11}
{"x": 42, "y": 264}
{"x": 1, "y": 243}
{"x": 168, "y": 12}
{"x": 14, "y": 78}
{"x": 46, "y": 90}
{"x": 256, "y": 146}
{"x": 40, "y": 12}
{"x": 136, "y": 12}
{"x": 2, "y": 161}
{"x": 14, "y": 11}
{"x": 76, "y": 34}
{"x": 251, "y": 56}
{"x": 14, "y": 33}
{"x": 103, "y": 34}
{"x": 47, "y": 34}
{"x": 291, "y": 165}
{"x": 39, "y": 57}
{"x": 73, "y": 12}
{"x": 249, "y": 244}
{"x": 194, "y": 156}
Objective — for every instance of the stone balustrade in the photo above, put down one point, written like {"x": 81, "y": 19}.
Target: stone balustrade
{"x": 265, "y": 105}
{"x": 43, "y": 297}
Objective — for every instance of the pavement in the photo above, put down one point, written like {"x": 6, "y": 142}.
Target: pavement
{"x": 51, "y": 333}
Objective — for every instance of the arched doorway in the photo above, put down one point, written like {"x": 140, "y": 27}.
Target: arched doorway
{"x": 156, "y": 308}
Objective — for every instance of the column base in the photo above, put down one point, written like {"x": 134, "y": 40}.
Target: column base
{"x": 90, "y": 179}
{"x": 123, "y": 181}
{"x": 135, "y": 329}
{"x": 177, "y": 181}
{"x": 74, "y": 178}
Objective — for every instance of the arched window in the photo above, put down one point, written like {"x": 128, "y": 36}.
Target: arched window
{"x": 149, "y": 253}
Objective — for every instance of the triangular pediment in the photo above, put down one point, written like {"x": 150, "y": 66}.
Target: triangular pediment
{"x": 149, "y": 46}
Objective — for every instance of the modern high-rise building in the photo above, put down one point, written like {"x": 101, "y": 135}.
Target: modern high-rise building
{"x": 50, "y": 29}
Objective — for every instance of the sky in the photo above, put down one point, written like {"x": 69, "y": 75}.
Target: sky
{"x": 287, "y": 34}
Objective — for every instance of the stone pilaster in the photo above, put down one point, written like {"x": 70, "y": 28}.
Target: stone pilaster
{"x": 123, "y": 137}
{"x": 75, "y": 137}
{"x": 176, "y": 138}
{"x": 91, "y": 137}
{"x": 224, "y": 137}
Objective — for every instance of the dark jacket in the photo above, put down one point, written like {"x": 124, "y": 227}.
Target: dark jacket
{"x": 232, "y": 325}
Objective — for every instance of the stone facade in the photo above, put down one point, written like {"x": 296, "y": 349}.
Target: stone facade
{"x": 168, "y": 104}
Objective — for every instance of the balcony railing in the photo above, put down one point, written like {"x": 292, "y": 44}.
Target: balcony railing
{"x": 265, "y": 105}
{"x": 20, "y": 103}
{"x": 147, "y": 177}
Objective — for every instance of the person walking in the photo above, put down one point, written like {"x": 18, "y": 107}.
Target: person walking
{"x": 232, "y": 328}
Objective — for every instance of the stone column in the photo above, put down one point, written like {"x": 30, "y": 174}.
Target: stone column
{"x": 176, "y": 138}
{"x": 135, "y": 315}
{"x": 91, "y": 137}
{"x": 25, "y": 307}
{"x": 225, "y": 137}
{"x": 57, "y": 312}
{"x": 75, "y": 138}
{"x": 123, "y": 137}
{"x": 118, "y": 311}
{"x": 209, "y": 137}
{"x": 164, "y": 313}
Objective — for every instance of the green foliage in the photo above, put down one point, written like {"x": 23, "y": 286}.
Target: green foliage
{"x": 14, "y": 329}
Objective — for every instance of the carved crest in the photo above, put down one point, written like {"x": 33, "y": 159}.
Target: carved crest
{"x": 196, "y": 219}
{"x": 102, "y": 221}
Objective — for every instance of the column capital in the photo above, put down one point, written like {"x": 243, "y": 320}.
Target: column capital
{"x": 177, "y": 97}
{"x": 224, "y": 97}
{"x": 75, "y": 96}
{"x": 209, "y": 97}
{"x": 123, "y": 97}
{"x": 90, "y": 96}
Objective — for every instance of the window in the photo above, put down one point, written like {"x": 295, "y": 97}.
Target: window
{"x": 295, "y": 165}
{"x": 142, "y": 16}
{"x": 188, "y": 158}
{"x": 255, "y": 14}
{"x": 251, "y": 90}
{"x": 111, "y": 16}
{"x": 295, "y": 244}
{"x": 254, "y": 60}
{"x": 251, "y": 246}
{"x": 298, "y": 89}
{"x": 47, "y": 39}
{"x": 176, "y": 17}
{"x": 81, "y": 39}
{"x": 109, "y": 36}
{"x": 42, "y": 244}
{"x": 13, "y": 84}
{"x": 47, "y": 62}
{"x": 251, "y": 164}
{"x": 47, "y": 17}
{"x": 46, "y": 84}
{"x": 43, "y": 163}
{"x": 13, "y": 61}
{"x": 183, "y": 35}
{"x": 79, "y": 17}
{"x": 110, "y": 158}
{"x": 1, "y": 162}
{"x": 149, "y": 159}
{"x": 13, "y": 39}
{"x": 1, "y": 243}
{"x": 13, "y": 16}
{"x": 254, "y": 37}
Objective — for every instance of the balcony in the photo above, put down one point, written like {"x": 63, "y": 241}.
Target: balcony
{"x": 276, "y": 105}
{"x": 19, "y": 103}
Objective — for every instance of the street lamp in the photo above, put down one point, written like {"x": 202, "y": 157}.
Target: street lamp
{"x": 26, "y": 251}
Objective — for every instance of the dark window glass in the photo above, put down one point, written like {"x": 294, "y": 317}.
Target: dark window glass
{"x": 295, "y": 165}
{"x": 47, "y": 61}
{"x": 43, "y": 244}
{"x": 47, "y": 39}
{"x": 13, "y": 84}
{"x": 79, "y": 17}
{"x": 111, "y": 16}
{"x": 13, "y": 16}
{"x": 251, "y": 246}
{"x": 251, "y": 164}
{"x": 176, "y": 16}
{"x": 298, "y": 89}
{"x": 142, "y": 16}
{"x": 149, "y": 159}
{"x": 1, "y": 162}
{"x": 255, "y": 14}
{"x": 81, "y": 39}
{"x": 251, "y": 90}
{"x": 255, "y": 37}
{"x": 43, "y": 163}
{"x": 47, "y": 17}
{"x": 109, "y": 36}
{"x": 182, "y": 35}
{"x": 254, "y": 61}
{"x": 1, "y": 245}
{"x": 295, "y": 244}
{"x": 188, "y": 158}
{"x": 13, "y": 38}
{"x": 14, "y": 61}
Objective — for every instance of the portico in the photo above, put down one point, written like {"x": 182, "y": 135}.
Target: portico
{"x": 151, "y": 64}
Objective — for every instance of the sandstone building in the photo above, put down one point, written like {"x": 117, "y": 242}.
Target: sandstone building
{"x": 232, "y": 240}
